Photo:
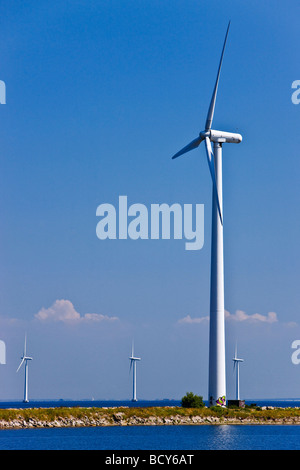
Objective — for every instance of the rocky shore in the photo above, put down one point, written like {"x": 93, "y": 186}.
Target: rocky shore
{"x": 111, "y": 417}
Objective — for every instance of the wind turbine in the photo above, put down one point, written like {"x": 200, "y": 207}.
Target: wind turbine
{"x": 236, "y": 364}
{"x": 217, "y": 379}
{"x": 25, "y": 359}
{"x": 133, "y": 362}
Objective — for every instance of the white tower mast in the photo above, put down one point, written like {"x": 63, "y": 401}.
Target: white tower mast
{"x": 217, "y": 377}
{"x": 134, "y": 382}
{"x": 26, "y": 382}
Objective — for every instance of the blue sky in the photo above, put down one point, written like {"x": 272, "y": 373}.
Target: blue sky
{"x": 99, "y": 96}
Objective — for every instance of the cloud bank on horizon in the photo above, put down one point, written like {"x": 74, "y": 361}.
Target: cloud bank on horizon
{"x": 63, "y": 310}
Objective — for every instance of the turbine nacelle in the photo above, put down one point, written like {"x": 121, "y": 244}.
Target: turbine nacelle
{"x": 221, "y": 136}
{"x": 24, "y": 359}
{"x": 132, "y": 357}
{"x": 236, "y": 361}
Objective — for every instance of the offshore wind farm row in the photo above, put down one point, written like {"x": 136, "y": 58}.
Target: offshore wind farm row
{"x": 25, "y": 359}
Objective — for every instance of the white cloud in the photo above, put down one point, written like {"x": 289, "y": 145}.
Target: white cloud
{"x": 189, "y": 319}
{"x": 291, "y": 324}
{"x": 63, "y": 310}
{"x": 239, "y": 316}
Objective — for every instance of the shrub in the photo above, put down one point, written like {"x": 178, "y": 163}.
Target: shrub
{"x": 218, "y": 409}
{"x": 192, "y": 401}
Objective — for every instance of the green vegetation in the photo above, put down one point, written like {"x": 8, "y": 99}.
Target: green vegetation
{"x": 192, "y": 401}
{"x": 79, "y": 416}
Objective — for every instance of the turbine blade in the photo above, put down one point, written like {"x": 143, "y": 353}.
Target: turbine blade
{"x": 20, "y": 365}
{"x": 130, "y": 365}
{"x": 191, "y": 146}
{"x": 211, "y": 109}
{"x": 210, "y": 160}
{"x": 25, "y": 346}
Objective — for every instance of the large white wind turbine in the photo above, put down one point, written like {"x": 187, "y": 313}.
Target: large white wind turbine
{"x": 217, "y": 379}
{"x": 25, "y": 359}
{"x": 236, "y": 365}
{"x": 133, "y": 362}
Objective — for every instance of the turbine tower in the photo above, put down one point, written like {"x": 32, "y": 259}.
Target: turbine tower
{"x": 133, "y": 362}
{"x": 217, "y": 378}
{"x": 25, "y": 359}
{"x": 236, "y": 364}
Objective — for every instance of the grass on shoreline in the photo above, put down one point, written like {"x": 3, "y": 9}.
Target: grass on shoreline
{"x": 52, "y": 414}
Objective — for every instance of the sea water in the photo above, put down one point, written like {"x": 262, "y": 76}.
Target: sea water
{"x": 164, "y": 437}
{"x": 196, "y": 437}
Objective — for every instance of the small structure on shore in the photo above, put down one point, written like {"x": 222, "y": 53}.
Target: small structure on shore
{"x": 236, "y": 403}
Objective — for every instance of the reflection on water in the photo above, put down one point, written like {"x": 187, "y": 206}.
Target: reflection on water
{"x": 223, "y": 437}
{"x": 253, "y": 437}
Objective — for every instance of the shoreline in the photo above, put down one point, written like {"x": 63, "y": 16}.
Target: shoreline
{"x": 60, "y": 417}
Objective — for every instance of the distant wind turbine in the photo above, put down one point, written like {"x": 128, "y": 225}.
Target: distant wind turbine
{"x": 236, "y": 365}
{"x": 25, "y": 359}
{"x": 217, "y": 376}
{"x": 133, "y": 362}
